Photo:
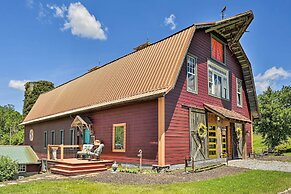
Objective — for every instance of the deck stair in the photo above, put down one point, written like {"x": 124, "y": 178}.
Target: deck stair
{"x": 73, "y": 167}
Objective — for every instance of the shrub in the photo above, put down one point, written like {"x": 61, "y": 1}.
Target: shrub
{"x": 284, "y": 147}
{"x": 8, "y": 168}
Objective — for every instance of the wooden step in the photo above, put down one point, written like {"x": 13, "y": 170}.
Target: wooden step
{"x": 76, "y": 172}
{"x": 77, "y": 167}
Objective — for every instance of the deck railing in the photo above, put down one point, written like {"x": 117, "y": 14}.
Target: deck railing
{"x": 56, "y": 150}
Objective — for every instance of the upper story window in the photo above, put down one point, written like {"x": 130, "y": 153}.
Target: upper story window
{"x": 217, "y": 50}
{"x": 218, "y": 81}
{"x": 239, "y": 92}
{"x": 119, "y": 137}
{"x": 191, "y": 74}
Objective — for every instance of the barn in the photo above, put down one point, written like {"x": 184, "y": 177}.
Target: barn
{"x": 191, "y": 94}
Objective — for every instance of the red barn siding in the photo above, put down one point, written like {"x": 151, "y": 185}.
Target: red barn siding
{"x": 177, "y": 119}
{"x": 141, "y": 131}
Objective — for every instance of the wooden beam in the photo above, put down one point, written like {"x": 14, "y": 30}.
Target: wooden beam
{"x": 221, "y": 25}
{"x": 161, "y": 131}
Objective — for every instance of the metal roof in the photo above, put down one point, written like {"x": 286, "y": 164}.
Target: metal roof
{"x": 225, "y": 113}
{"x": 150, "y": 71}
{"x": 21, "y": 154}
{"x": 143, "y": 74}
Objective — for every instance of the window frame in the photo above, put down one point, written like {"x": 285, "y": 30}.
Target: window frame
{"x": 62, "y": 136}
{"x": 72, "y": 138}
{"x": 53, "y": 137}
{"x": 124, "y": 137}
{"x": 224, "y": 49}
{"x": 21, "y": 168}
{"x": 195, "y": 91}
{"x": 45, "y": 140}
{"x": 215, "y": 66}
{"x": 237, "y": 92}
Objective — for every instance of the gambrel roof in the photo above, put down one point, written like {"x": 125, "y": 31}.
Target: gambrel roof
{"x": 143, "y": 74}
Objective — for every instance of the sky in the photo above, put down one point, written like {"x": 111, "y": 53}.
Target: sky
{"x": 60, "y": 40}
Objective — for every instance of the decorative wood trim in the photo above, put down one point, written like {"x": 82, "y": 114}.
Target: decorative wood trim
{"x": 124, "y": 137}
{"x": 161, "y": 131}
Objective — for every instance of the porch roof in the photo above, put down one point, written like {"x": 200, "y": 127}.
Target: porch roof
{"x": 225, "y": 113}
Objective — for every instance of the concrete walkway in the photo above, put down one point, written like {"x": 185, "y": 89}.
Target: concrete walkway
{"x": 261, "y": 165}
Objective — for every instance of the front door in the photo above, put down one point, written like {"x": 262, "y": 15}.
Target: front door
{"x": 86, "y": 136}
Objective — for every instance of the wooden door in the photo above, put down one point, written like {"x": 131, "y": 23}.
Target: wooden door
{"x": 198, "y": 144}
{"x": 237, "y": 141}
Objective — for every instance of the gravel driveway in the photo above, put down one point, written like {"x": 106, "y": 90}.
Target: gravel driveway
{"x": 261, "y": 165}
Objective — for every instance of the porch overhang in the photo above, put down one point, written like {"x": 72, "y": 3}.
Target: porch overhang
{"x": 226, "y": 114}
{"x": 80, "y": 122}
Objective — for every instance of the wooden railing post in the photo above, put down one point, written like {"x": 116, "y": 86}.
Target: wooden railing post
{"x": 48, "y": 152}
{"x": 62, "y": 152}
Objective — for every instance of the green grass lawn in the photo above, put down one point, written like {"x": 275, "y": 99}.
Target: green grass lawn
{"x": 254, "y": 181}
{"x": 258, "y": 143}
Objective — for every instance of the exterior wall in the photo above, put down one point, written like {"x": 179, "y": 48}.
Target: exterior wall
{"x": 32, "y": 168}
{"x": 141, "y": 131}
{"x": 177, "y": 117}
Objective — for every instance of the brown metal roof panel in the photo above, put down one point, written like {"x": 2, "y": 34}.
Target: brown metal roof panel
{"x": 138, "y": 73}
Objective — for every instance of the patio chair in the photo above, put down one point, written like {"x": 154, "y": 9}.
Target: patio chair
{"x": 97, "y": 152}
{"x": 84, "y": 153}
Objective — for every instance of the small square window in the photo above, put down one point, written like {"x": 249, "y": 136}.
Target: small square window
{"x": 22, "y": 168}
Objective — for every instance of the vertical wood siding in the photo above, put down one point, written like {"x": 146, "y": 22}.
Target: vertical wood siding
{"x": 177, "y": 118}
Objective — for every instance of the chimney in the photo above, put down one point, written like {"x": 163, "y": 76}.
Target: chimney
{"x": 142, "y": 46}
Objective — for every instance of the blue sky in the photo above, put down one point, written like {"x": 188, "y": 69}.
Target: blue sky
{"x": 59, "y": 40}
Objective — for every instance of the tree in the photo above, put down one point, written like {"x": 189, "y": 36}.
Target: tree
{"x": 32, "y": 92}
{"x": 9, "y": 126}
{"x": 275, "y": 122}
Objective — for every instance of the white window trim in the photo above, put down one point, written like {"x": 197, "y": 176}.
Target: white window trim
{"x": 21, "y": 166}
{"x": 195, "y": 91}
{"x": 226, "y": 71}
{"x": 237, "y": 91}
{"x": 224, "y": 49}
{"x": 62, "y": 137}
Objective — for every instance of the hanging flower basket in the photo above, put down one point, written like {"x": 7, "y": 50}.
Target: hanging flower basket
{"x": 202, "y": 130}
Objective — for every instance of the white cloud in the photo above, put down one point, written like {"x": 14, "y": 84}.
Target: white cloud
{"x": 82, "y": 23}
{"x": 59, "y": 10}
{"x": 271, "y": 77}
{"x": 42, "y": 12}
{"x": 170, "y": 21}
{"x": 18, "y": 84}
{"x": 30, "y": 3}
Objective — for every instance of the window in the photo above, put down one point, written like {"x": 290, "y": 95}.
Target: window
{"x": 62, "y": 136}
{"x": 239, "y": 92}
{"x": 53, "y": 136}
{"x": 22, "y": 168}
{"x": 72, "y": 136}
{"x": 119, "y": 137}
{"x": 45, "y": 139}
{"x": 218, "y": 84}
{"x": 217, "y": 50}
{"x": 191, "y": 74}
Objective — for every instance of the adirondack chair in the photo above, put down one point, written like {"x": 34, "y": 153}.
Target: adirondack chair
{"x": 84, "y": 153}
{"x": 97, "y": 152}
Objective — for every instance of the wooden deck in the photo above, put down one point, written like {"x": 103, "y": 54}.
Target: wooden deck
{"x": 73, "y": 166}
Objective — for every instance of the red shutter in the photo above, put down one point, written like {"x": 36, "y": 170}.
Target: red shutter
{"x": 217, "y": 50}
